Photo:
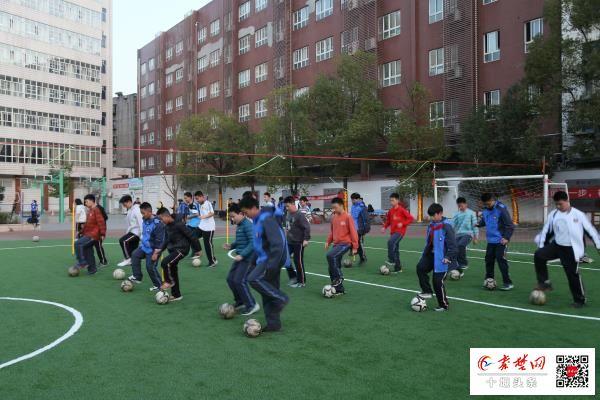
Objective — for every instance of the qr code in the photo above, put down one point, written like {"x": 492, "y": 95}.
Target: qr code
{"x": 572, "y": 371}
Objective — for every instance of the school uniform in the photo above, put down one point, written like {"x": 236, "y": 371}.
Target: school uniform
{"x": 207, "y": 230}
{"x": 93, "y": 231}
{"x": 236, "y": 279}
{"x": 395, "y": 216}
{"x": 465, "y": 228}
{"x": 344, "y": 237}
{"x": 152, "y": 241}
{"x": 298, "y": 231}
{"x": 131, "y": 240}
{"x": 178, "y": 242}
{"x": 360, "y": 215}
{"x": 498, "y": 225}
{"x": 193, "y": 221}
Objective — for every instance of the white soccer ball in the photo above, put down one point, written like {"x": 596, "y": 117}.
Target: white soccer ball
{"x": 489, "y": 284}
{"x": 252, "y": 328}
{"x": 328, "y": 291}
{"x": 537, "y": 297}
{"x": 196, "y": 262}
{"x": 119, "y": 274}
{"x": 454, "y": 274}
{"x": 418, "y": 304}
{"x": 127, "y": 285}
{"x": 35, "y": 239}
{"x": 161, "y": 297}
{"x": 384, "y": 270}
{"x": 227, "y": 311}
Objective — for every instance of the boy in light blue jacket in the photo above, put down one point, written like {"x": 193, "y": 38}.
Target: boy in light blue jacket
{"x": 465, "y": 227}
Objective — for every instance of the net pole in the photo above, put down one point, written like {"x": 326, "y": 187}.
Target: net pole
{"x": 73, "y": 228}
{"x": 545, "y": 198}
{"x": 61, "y": 196}
{"x": 227, "y": 225}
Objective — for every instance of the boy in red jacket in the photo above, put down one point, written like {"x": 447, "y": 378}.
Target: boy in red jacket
{"x": 93, "y": 232}
{"x": 398, "y": 219}
{"x": 343, "y": 235}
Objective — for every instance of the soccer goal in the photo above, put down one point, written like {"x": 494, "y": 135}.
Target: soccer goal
{"x": 527, "y": 197}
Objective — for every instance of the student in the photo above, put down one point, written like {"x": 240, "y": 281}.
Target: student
{"x": 298, "y": 236}
{"x": 94, "y": 230}
{"x": 465, "y": 227}
{"x": 178, "y": 242}
{"x": 207, "y": 226}
{"x": 80, "y": 216}
{"x": 34, "y": 213}
{"x": 304, "y": 207}
{"x": 153, "y": 238}
{"x": 244, "y": 246}
{"x": 269, "y": 201}
{"x": 130, "y": 241}
{"x": 344, "y": 237}
{"x": 270, "y": 253}
{"x": 562, "y": 238}
{"x": 361, "y": 222}
{"x": 397, "y": 219}
{"x": 99, "y": 245}
{"x": 499, "y": 229}
{"x": 184, "y": 209}
{"x": 439, "y": 253}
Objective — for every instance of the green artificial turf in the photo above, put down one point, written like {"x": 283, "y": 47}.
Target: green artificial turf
{"x": 367, "y": 344}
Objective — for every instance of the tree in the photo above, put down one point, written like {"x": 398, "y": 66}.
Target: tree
{"x": 54, "y": 188}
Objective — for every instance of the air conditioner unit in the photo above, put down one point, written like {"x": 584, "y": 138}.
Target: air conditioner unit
{"x": 352, "y": 4}
{"x": 352, "y": 48}
{"x": 457, "y": 15}
{"x": 370, "y": 44}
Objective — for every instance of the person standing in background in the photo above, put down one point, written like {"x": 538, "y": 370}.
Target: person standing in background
{"x": 80, "y": 217}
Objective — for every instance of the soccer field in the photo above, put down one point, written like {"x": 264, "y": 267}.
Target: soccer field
{"x": 366, "y": 344}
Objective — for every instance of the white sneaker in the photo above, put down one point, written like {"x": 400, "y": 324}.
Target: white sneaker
{"x": 154, "y": 289}
{"x": 255, "y": 309}
{"x": 125, "y": 262}
{"x": 132, "y": 279}
{"x": 424, "y": 295}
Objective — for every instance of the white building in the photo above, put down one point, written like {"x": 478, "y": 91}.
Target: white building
{"x": 55, "y": 92}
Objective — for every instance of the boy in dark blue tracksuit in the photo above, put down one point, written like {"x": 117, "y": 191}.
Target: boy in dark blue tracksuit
{"x": 270, "y": 254}
{"x": 153, "y": 238}
{"x": 360, "y": 215}
{"x": 499, "y": 229}
{"x": 236, "y": 279}
{"x": 440, "y": 251}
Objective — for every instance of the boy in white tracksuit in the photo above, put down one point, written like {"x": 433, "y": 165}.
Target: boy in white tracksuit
{"x": 131, "y": 240}
{"x": 562, "y": 237}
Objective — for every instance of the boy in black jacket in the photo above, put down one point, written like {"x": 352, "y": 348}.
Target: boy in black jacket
{"x": 178, "y": 242}
{"x": 298, "y": 235}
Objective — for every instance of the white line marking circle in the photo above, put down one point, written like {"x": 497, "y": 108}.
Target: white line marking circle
{"x": 74, "y": 328}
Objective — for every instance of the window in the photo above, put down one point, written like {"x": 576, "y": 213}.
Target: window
{"x": 215, "y": 58}
{"x": 244, "y": 11}
{"x": 143, "y": 116}
{"x": 301, "y": 92}
{"x": 436, "y": 62}
{"x": 179, "y": 103}
{"x": 144, "y": 91}
{"x": 436, "y": 10}
{"x": 260, "y": 37}
{"x": 389, "y": 25}
{"x": 324, "y": 8}
{"x": 261, "y": 72}
{"x": 244, "y": 79}
{"x": 491, "y": 46}
{"x": 151, "y": 64}
{"x": 169, "y": 159}
{"x": 349, "y": 41}
{"x": 169, "y": 133}
{"x": 301, "y": 58}
{"x": 533, "y": 29}
{"x": 179, "y": 48}
{"x": 169, "y": 80}
{"x": 151, "y": 89}
{"x": 436, "y": 114}
{"x": 169, "y": 106}
{"x": 260, "y": 5}
{"x": 244, "y": 44}
{"x": 215, "y": 27}
{"x": 324, "y": 49}
{"x": 151, "y": 162}
{"x": 179, "y": 75}
{"x": 151, "y": 113}
{"x": 260, "y": 108}
{"x": 143, "y": 69}
{"x": 244, "y": 112}
{"x": 202, "y": 35}
{"x": 143, "y": 160}
{"x": 202, "y": 63}
{"x": 390, "y": 73}
{"x": 169, "y": 53}
{"x": 488, "y": 1}
{"x": 300, "y": 18}
{"x": 215, "y": 89}
{"x": 491, "y": 102}
{"x": 151, "y": 138}
{"x": 177, "y": 129}
{"x": 202, "y": 94}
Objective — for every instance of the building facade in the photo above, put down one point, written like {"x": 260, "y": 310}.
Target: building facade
{"x": 124, "y": 130}
{"x": 55, "y": 92}
{"x": 229, "y": 55}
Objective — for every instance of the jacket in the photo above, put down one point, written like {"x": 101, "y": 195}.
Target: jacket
{"x": 465, "y": 223}
{"x": 179, "y": 238}
{"x": 343, "y": 231}
{"x": 441, "y": 240}
{"x": 134, "y": 220}
{"x": 395, "y": 216}
{"x": 153, "y": 235}
{"x": 360, "y": 215}
{"x": 297, "y": 227}
{"x": 498, "y": 223}
{"x": 80, "y": 214}
{"x": 95, "y": 225}
{"x": 577, "y": 223}
{"x": 243, "y": 239}
{"x": 270, "y": 244}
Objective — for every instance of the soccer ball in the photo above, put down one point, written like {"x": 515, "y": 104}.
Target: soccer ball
{"x": 418, "y": 304}
{"x": 73, "y": 271}
{"x": 328, "y": 291}
{"x": 384, "y": 270}
{"x": 35, "y": 238}
{"x": 347, "y": 262}
{"x": 252, "y": 328}
{"x": 489, "y": 284}
{"x": 118, "y": 274}
{"x": 537, "y": 297}
{"x": 127, "y": 285}
{"x": 196, "y": 262}
{"x": 454, "y": 274}
{"x": 227, "y": 311}
{"x": 161, "y": 297}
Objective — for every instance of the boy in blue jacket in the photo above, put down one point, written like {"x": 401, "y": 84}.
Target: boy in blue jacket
{"x": 360, "y": 215}
{"x": 440, "y": 250}
{"x": 236, "y": 279}
{"x": 498, "y": 231}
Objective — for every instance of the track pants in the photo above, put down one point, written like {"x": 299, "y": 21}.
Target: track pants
{"x": 238, "y": 283}
{"x": 207, "y": 237}
{"x": 462, "y": 241}
{"x": 496, "y": 252}
{"x": 569, "y": 263}
{"x": 98, "y": 245}
{"x": 84, "y": 251}
{"x": 361, "y": 250}
{"x": 129, "y": 243}
{"x": 424, "y": 267}
{"x": 151, "y": 266}
{"x": 296, "y": 250}
{"x": 393, "y": 245}
{"x": 169, "y": 266}
{"x": 334, "y": 259}
{"x": 265, "y": 280}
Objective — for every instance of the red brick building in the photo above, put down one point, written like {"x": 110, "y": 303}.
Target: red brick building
{"x": 230, "y": 54}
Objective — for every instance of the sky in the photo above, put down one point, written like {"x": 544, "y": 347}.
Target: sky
{"x": 135, "y": 23}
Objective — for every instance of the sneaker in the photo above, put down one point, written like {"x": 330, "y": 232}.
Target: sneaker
{"x": 154, "y": 289}
{"x": 132, "y": 279}
{"x": 440, "y": 309}
{"x": 398, "y": 269}
{"x": 461, "y": 273}
{"x": 214, "y": 264}
{"x": 362, "y": 260}
{"x": 271, "y": 328}
{"x": 103, "y": 264}
{"x": 298, "y": 285}
{"x": 577, "y": 305}
{"x": 174, "y": 299}
{"x": 389, "y": 264}
{"x": 507, "y": 287}
{"x": 463, "y": 267}
{"x": 424, "y": 295}
{"x": 585, "y": 259}
{"x": 292, "y": 282}
{"x": 545, "y": 286}
{"x": 239, "y": 307}
{"x": 254, "y": 309}
{"x": 124, "y": 263}
{"x": 92, "y": 272}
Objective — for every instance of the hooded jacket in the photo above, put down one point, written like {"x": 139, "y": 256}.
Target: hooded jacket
{"x": 134, "y": 220}
{"x": 441, "y": 241}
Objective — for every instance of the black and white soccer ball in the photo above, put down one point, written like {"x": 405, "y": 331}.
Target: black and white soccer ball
{"x": 161, "y": 297}
{"x": 252, "y": 328}
{"x": 490, "y": 284}
{"x": 328, "y": 291}
{"x": 418, "y": 304}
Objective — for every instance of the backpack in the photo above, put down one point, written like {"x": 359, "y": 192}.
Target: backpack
{"x": 367, "y": 221}
{"x": 103, "y": 211}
